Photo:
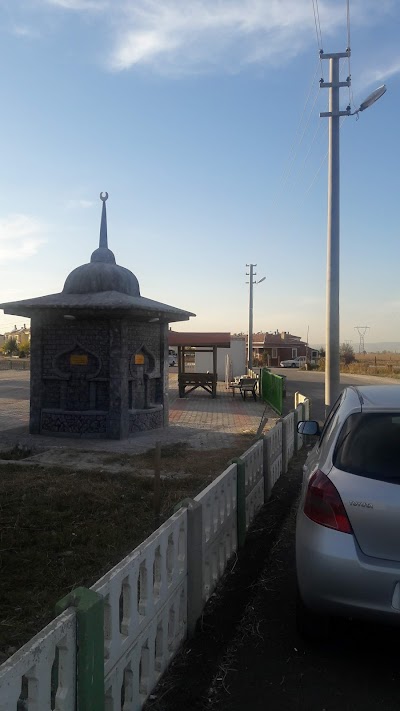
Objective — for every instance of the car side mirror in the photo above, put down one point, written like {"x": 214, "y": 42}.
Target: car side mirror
{"x": 308, "y": 427}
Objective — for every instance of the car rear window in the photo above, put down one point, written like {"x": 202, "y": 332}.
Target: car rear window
{"x": 369, "y": 445}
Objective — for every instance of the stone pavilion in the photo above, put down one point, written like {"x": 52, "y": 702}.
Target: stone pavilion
{"x": 99, "y": 352}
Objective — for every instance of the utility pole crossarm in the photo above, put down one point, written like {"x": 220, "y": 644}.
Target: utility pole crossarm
{"x": 329, "y": 85}
{"x": 335, "y": 55}
{"x": 329, "y": 114}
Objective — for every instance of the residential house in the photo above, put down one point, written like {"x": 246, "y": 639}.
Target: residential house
{"x": 21, "y": 335}
{"x": 272, "y": 348}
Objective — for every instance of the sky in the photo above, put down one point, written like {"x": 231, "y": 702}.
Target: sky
{"x": 200, "y": 118}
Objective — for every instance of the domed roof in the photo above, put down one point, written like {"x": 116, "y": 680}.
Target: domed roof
{"x": 102, "y": 273}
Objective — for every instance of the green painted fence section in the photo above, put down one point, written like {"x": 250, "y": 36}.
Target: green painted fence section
{"x": 90, "y": 643}
{"x": 271, "y": 389}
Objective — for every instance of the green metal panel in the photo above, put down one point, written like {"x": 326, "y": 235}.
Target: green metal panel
{"x": 271, "y": 388}
{"x": 90, "y": 643}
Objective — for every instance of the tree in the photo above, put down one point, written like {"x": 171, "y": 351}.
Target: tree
{"x": 347, "y": 353}
{"x": 10, "y": 347}
{"x": 322, "y": 352}
{"x": 24, "y": 349}
{"x": 265, "y": 359}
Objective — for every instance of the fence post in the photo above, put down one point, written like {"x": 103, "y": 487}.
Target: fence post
{"x": 267, "y": 467}
{"x": 296, "y": 434}
{"x": 195, "y": 562}
{"x": 285, "y": 460}
{"x": 241, "y": 501}
{"x": 90, "y": 646}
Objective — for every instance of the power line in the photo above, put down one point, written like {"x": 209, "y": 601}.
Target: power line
{"x": 289, "y": 170}
{"x": 301, "y": 170}
{"x": 297, "y": 140}
{"x": 318, "y": 31}
{"x": 322, "y": 163}
{"x": 319, "y": 24}
{"x": 348, "y": 22}
{"x": 351, "y": 97}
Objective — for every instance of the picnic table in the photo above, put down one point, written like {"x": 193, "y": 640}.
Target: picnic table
{"x": 187, "y": 382}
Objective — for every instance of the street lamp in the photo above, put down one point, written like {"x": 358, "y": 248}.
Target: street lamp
{"x": 332, "y": 367}
{"x": 250, "y": 337}
{"x": 371, "y": 99}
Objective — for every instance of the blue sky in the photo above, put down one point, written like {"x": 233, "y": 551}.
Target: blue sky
{"x": 201, "y": 120}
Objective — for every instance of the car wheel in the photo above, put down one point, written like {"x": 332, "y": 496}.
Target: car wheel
{"x": 294, "y": 365}
{"x": 311, "y": 625}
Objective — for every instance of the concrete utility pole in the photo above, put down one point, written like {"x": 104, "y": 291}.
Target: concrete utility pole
{"x": 332, "y": 362}
{"x": 250, "y": 338}
{"x": 251, "y": 274}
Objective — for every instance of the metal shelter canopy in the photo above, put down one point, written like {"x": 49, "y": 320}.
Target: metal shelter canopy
{"x": 205, "y": 343}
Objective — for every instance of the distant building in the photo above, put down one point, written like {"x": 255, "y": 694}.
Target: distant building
{"x": 21, "y": 335}
{"x": 272, "y": 348}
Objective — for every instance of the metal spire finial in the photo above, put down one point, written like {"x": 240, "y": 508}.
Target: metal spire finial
{"x": 103, "y": 226}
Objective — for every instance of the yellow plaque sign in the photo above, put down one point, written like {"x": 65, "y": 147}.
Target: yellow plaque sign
{"x": 139, "y": 359}
{"x": 78, "y": 360}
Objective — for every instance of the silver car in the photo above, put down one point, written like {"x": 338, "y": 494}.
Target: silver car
{"x": 348, "y": 522}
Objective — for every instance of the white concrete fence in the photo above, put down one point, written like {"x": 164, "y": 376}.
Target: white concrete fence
{"x": 151, "y": 600}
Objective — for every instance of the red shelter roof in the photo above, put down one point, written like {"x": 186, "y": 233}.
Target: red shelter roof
{"x": 199, "y": 340}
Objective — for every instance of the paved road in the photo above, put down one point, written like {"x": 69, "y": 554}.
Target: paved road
{"x": 198, "y": 419}
{"x": 14, "y": 398}
{"x": 14, "y": 391}
{"x": 312, "y": 384}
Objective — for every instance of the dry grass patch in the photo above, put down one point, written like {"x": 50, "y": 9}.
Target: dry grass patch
{"x": 61, "y": 528}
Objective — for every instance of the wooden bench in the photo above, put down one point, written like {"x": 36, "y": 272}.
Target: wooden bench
{"x": 248, "y": 385}
{"x": 244, "y": 385}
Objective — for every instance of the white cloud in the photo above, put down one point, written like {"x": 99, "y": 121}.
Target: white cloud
{"x": 73, "y": 204}
{"x": 201, "y": 32}
{"x": 381, "y": 74}
{"x": 78, "y": 5}
{"x": 19, "y": 237}
{"x": 24, "y": 31}
{"x": 184, "y": 36}
{"x": 176, "y": 36}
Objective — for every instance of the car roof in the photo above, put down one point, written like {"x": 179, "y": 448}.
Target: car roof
{"x": 379, "y": 397}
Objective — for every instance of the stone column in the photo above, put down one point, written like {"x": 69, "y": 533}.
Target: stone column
{"x": 164, "y": 368}
{"x": 118, "y": 410}
{"x": 36, "y": 375}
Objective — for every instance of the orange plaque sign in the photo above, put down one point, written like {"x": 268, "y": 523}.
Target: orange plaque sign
{"x": 78, "y": 360}
{"x": 139, "y": 359}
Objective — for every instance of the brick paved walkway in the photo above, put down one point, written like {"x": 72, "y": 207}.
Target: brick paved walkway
{"x": 197, "y": 419}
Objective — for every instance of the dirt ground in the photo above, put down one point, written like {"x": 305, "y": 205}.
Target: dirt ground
{"x": 197, "y": 675}
{"x": 61, "y": 528}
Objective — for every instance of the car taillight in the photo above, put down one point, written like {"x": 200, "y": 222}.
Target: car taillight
{"x": 323, "y": 504}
